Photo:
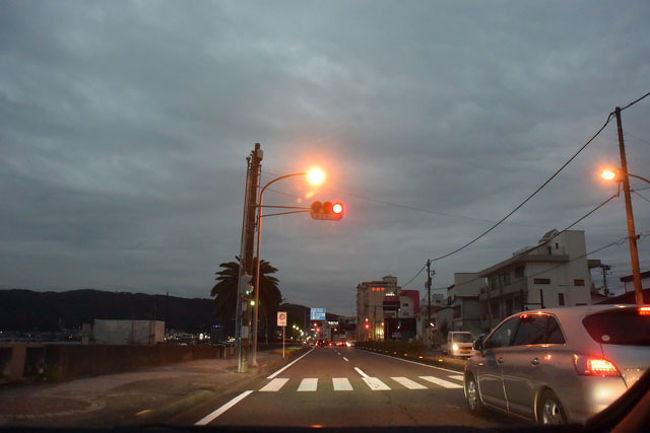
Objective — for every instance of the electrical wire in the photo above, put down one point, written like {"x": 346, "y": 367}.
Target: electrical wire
{"x": 495, "y": 225}
{"x": 641, "y": 196}
{"x": 633, "y": 102}
{"x": 414, "y": 276}
{"x": 558, "y": 233}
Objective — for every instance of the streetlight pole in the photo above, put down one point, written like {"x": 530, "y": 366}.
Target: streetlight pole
{"x": 256, "y": 307}
{"x": 634, "y": 252}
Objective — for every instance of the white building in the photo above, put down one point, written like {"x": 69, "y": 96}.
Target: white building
{"x": 554, "y": 273}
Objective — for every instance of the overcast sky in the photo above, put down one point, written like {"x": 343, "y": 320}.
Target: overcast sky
{"x": 124, "y": 128}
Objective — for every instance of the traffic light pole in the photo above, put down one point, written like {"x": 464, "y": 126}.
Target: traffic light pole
{"x": 256, "y": 307}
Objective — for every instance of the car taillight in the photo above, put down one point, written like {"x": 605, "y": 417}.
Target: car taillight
{"x": 644, "y": 311}
{"x": 593, "y": 366}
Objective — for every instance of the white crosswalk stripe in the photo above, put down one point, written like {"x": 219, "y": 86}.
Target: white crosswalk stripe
{"x": 441, "y": 382}
{"x": 456, "y": 377}
{"x": 274, "y": 385}
{"x": 308, "y": 384}
{"x": 375, "y": 384}
{"x": 341, "y": 384}
{"x": 408, "y": 383}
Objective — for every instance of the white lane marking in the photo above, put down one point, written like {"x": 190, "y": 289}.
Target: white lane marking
{"x": 308, "y": 384}
{"x": 274, "y": 385}
{"x": 288, "y": 365}
{"x": 217, "y": 413}
{"x": 360, "y": 371}
{"x": 441, "y": 382}
{"x": 338, "y": 353}
{"x": 456, "y": 377}
{"x": 408, "y": 383}
{"x": 345, "y": 358}
{"x": 341, "y": 384}
{"x": 375, "y": 384}
{"x": 412, "y": 362}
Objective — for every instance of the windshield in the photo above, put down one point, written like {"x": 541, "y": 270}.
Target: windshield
{"x": 629, "y": 327}
{"x": 463, "y": 338}
{"x": 260, "y": 213}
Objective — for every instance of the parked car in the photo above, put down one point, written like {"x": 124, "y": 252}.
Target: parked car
{"x": 559, "y": 365}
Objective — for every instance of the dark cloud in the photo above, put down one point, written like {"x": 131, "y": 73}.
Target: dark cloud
{"x": 124, "y": 127}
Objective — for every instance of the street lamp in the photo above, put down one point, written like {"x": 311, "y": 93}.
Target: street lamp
{"x": 315, "y": 176}
{"x": 621, "y": 175}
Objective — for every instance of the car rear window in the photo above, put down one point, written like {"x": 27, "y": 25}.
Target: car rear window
{"x": 621, "y": 326}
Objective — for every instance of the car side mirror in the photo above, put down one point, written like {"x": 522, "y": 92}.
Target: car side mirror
{"x": 478, "y": 344}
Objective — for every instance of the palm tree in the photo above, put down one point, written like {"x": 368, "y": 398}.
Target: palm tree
{"x": 225, "y": 292}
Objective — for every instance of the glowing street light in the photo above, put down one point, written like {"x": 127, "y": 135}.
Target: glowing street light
{"x": 608, "y": 174}
{"x": 315, "y": 176}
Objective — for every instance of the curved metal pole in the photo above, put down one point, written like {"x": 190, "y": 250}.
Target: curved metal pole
{"x": 257, "y": 272}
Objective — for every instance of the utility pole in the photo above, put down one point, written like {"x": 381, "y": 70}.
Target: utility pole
{"x": 634, "y": 252}
{"x": 428, "y": 302}
{"x": 242, "y": 307}
{"x": 605, "y": 269}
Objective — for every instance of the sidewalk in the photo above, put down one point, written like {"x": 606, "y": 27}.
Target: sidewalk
{"x": 142, "y": 396}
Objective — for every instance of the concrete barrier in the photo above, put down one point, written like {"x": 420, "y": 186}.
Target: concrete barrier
{"x": 64, "y": 361}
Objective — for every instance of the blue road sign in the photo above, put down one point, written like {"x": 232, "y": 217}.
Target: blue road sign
{"x": 317, "y": 314}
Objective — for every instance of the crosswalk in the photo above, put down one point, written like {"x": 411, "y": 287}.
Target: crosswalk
{"x": 343, "y": 384}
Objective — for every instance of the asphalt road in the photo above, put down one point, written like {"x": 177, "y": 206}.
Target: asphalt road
{"x": 337, "y": 387}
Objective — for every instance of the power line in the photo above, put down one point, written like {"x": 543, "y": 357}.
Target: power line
{"x": 560, "y": 232}
{"x": 633, "y": 102}
{"x": 609, "y": 117}
{"x": 643, "y": 197}
{"x": 414, "y": 276}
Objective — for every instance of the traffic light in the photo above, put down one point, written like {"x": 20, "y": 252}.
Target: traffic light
{"x": 367, "y": 326}
{"x": 327, "y": 211}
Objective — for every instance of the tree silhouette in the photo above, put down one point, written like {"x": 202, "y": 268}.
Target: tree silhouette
{"x": 225, "y": 293}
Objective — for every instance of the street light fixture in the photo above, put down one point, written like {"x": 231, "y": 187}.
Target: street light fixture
{"x": 315, "y": 176}
{"x": 621, "y": 175}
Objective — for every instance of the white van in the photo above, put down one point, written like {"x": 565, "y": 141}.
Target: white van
{"x": 459, "y": 343}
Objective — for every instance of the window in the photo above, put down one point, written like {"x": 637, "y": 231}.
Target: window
{"x": 542, "y": 281}
{"x": 579, "y": 283}
{"x": 537, "y": 329}
{"x": 504, "y": 278}
{"x": 532, "y": 328}
{"x": 560, "y": 299}
{"x": 502, "y": 336}
{"x": 620, "y": 326}
{"x": 553, "y": 332}
{"x": 519, "y": 271}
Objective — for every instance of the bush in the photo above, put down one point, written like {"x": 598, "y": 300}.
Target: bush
{"x": 395, "y": 347}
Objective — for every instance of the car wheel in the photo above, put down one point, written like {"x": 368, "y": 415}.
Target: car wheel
{"x": 549, "y": 409}
{"x": 474, "y": 403}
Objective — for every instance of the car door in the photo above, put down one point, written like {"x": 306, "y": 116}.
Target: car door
{"x": 522, "y": 363}
{"x": 490, "y": 381}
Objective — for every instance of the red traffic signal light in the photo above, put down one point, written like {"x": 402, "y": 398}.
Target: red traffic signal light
{"x": 367, "y": 326}
{"x": 327, "y": 211}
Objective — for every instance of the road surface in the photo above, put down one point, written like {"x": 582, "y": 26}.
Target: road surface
{"x": 337, "y": 387}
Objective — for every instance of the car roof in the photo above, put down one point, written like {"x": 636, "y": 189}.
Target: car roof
{"x": 580, "y": 310}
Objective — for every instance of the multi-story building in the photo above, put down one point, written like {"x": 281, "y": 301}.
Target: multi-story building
{"x": 464, "y": 300}
{"x": 370, "y": 307}
{"x": 554, "y": 273}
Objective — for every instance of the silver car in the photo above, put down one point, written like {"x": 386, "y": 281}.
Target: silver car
{"x": 559, "y": 365}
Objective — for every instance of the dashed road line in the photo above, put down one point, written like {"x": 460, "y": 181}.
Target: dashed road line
{"x": 341, "y": 384}
{"x": 274, "y": 385}
{"x": 408, "y": 383}
{"x": 441, "y": 382}
{"x": 345, "y": 359}
{"x": 360, "y": 371}
{"x": 308, "y": 384}
{"x": 375, "y": 384}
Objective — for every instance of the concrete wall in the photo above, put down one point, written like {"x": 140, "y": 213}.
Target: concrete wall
{"x": 128, "y": 331}
{"x": 65, "y": 361}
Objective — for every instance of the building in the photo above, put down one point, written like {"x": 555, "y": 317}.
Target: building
{"x": 463, "y": 298}
{"x": 401, "y": 315}
{"x": 554, "y": 273}
{"x": 128, "y": 331}
{"x": 370, "y": 307}
{"x": 628, "y": 282}
{"x": 429, "y": 327}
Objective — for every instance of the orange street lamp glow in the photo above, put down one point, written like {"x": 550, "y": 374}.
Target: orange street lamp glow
{"x": 608, "y": 174}
{"x": 315, "y": 176}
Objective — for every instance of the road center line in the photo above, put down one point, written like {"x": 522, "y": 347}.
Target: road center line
{"x": 288, "y": 365}
{"x": 360, "y": 371}
{"x": 345, "y": 358}
{"x": 412, "y": 362}
{"x": 217, "y": 413}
